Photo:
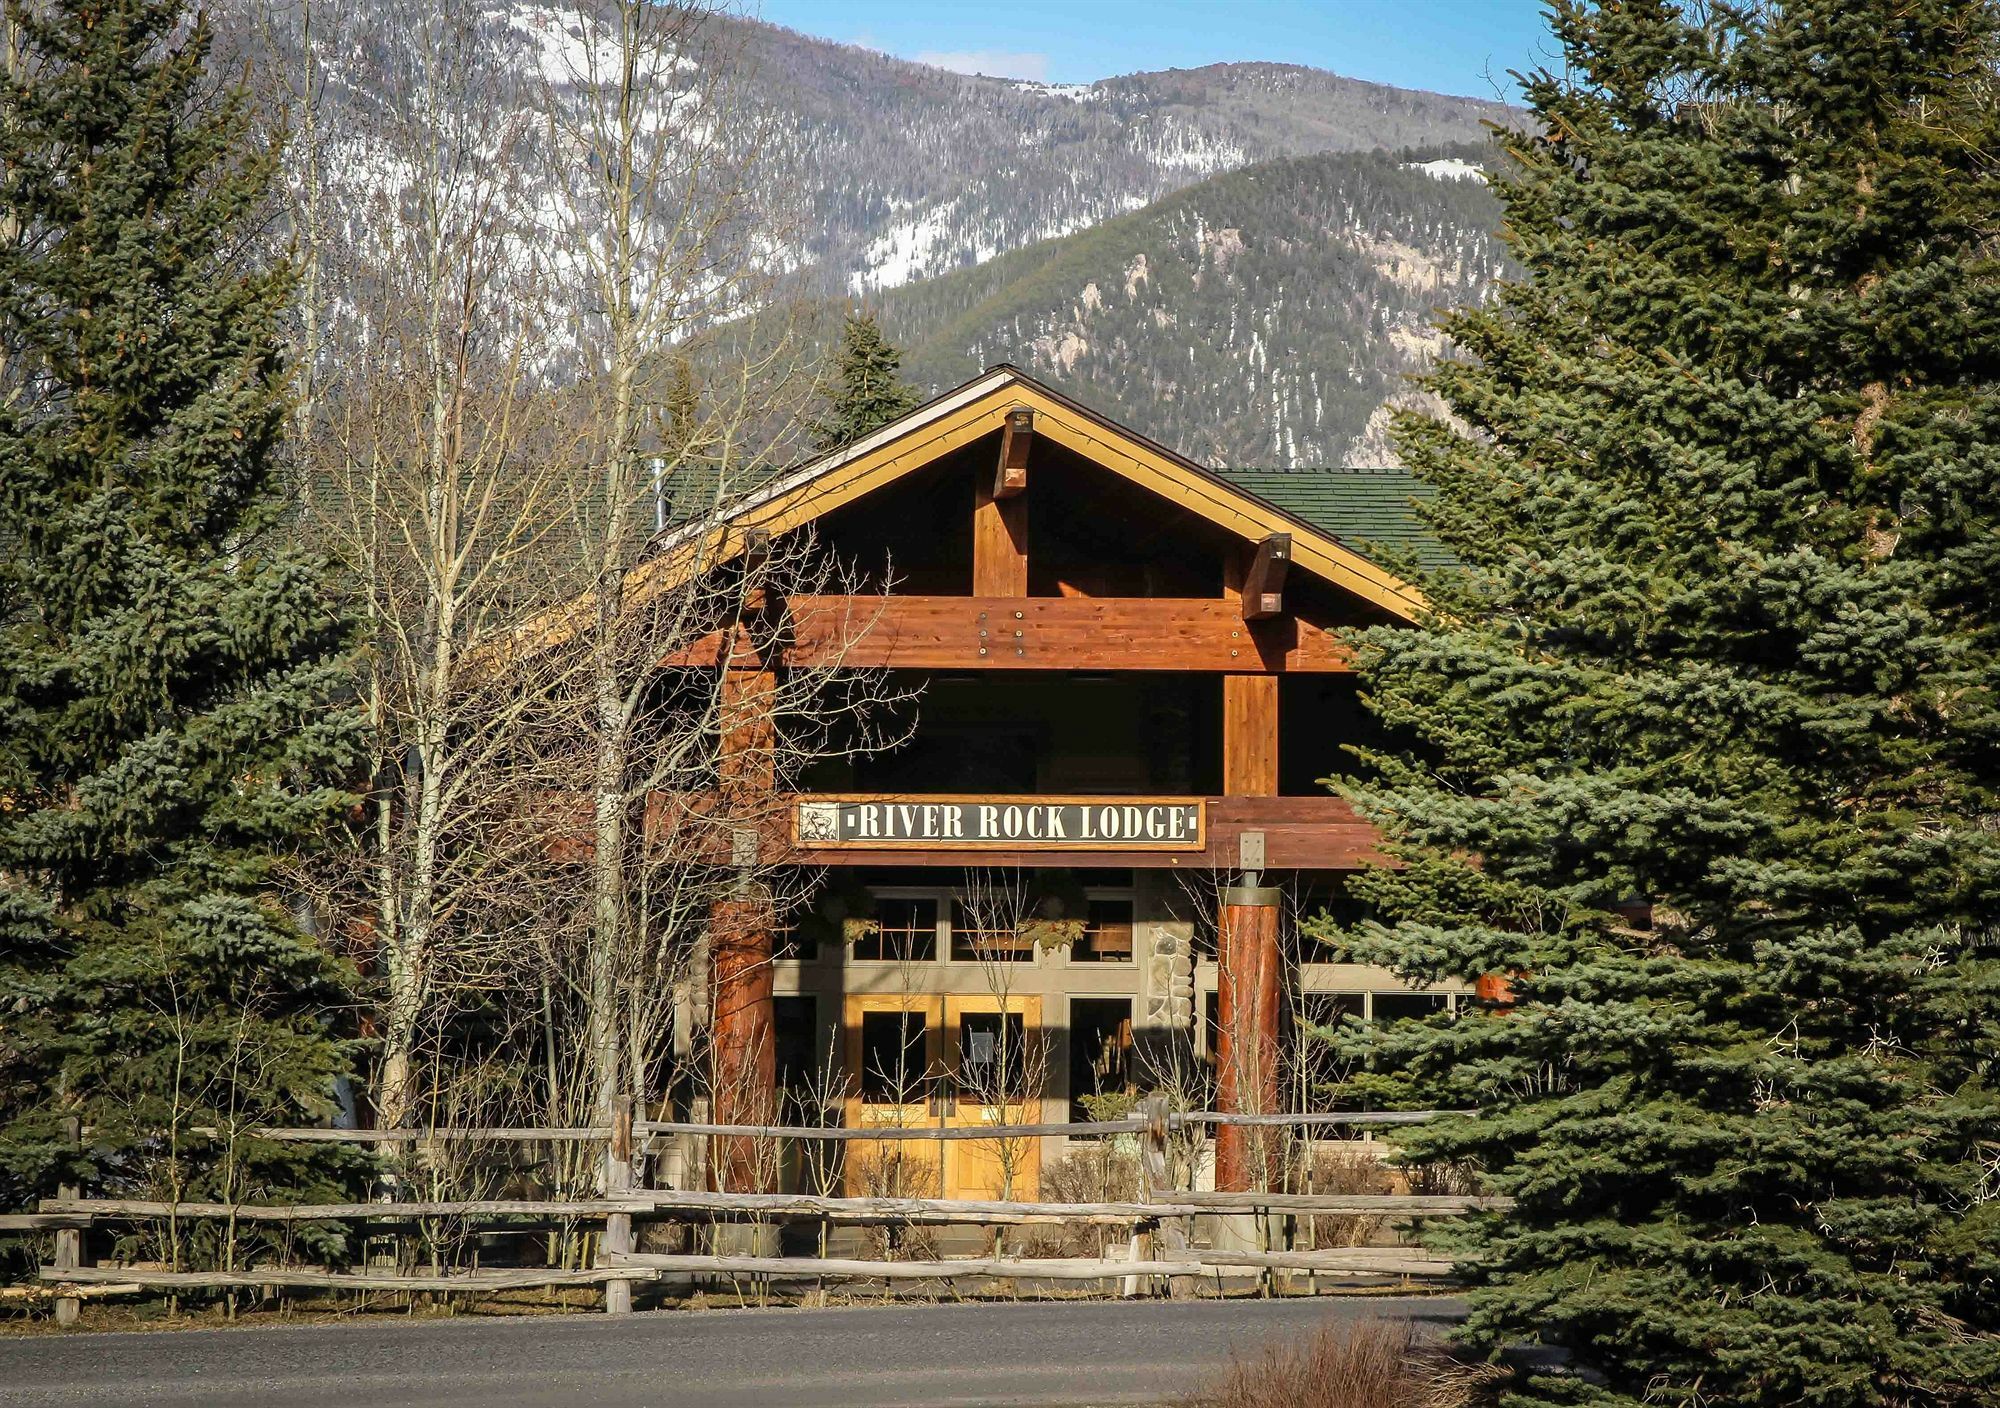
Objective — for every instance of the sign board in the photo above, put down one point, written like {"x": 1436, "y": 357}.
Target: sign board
{"x": 1001, "y": 823}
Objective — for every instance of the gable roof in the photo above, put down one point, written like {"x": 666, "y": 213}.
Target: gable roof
{"x": 1370, "y": 509}
{"x": 785, "y": 499}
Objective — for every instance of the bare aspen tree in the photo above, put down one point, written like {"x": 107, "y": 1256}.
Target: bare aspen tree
{"x": 283, "y": 44}
{"x": 551, "y": 349}
{"x": 718, "y": 742}
{"x": 14, "y": 68}
{"x": 432, "y": 451}
{"x": 663, "y": 232}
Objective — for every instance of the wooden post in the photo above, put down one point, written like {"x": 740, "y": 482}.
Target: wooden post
{"x": 1262, "y": 589}
{"x": 69, "y": 1240}
{"x": 1250, "y": 574}
{"x": 1246, "y": 1066}
{"x": 1000, "y": 531}
{"x": 617, "y": 1180}
{"x": 743, "y": 1074}
{"x": 1156, "y": 1186}
{"x": 745, "y": 1069}
{"x": 1129, "y": 1287}
{"x": 1017, "y": 437}
{"x": 1250, "y": 735}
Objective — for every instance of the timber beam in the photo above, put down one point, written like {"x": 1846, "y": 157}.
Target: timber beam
{"x": 1017, "y": 434}
{"x": 1264, "y": 577}
{"x": 1199, "y": 634}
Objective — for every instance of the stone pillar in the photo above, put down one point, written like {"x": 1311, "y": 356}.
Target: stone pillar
{"x": 743, "y": 1062}
{"x": 1247, "y": 1064}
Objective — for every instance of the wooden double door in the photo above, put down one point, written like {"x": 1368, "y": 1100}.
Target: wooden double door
{"x": 945, "y": 1061}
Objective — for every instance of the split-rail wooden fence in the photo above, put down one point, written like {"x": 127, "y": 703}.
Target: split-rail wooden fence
{"x": 1158, "y": 1250}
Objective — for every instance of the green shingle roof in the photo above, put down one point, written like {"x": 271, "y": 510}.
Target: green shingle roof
{"x": 1368, "y": 510}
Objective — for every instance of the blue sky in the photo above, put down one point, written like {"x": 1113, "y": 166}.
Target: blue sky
{"x": 1449, "y": 46}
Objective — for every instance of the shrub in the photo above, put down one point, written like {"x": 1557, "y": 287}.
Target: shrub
{"x": 1098, "y": 1172}
{"x": 1375, "y": 1364}
{"x": 1345, "y": 1170}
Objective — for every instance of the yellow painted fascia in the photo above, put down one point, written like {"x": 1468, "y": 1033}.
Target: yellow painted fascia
{"x": 883, "y": 464}
{"x": 1219, "y": 504}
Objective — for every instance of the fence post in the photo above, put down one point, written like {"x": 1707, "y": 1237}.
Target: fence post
{"x": 69, "y": 1240}
{"x": 618, "y": 1179}
{"x": 1156, "y": 1185}
{"x": 1135, "y": 1250}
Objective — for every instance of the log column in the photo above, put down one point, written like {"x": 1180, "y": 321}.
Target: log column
{"x": 743, "y": 1062}
{"x": 1247, "y": 1056}
{"x": 744, "y": 1058}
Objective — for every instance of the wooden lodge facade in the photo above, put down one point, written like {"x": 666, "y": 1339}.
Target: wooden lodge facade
{"x": 1079, "y": 875}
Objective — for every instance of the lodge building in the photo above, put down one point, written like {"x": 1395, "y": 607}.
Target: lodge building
{"x": 1080, "y": 874}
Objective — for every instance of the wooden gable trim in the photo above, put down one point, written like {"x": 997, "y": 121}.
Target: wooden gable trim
{"x": 1207, "y": 497}
{"x": 956, "y": 420}
{"x": 1192, "y": 488}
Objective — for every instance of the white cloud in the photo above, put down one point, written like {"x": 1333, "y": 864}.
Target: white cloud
{"x": 993, "y": 63}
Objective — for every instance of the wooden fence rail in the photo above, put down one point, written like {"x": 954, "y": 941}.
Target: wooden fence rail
{"x": 668, "y": 1203}
{"x": 575, "y": 1134}
{"x": 1159, "y": 1219}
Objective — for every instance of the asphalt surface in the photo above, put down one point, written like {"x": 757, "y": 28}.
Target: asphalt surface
{"x": 1049, "y": 1354}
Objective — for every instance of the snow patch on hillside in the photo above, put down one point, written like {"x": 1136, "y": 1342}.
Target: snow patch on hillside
{"x": 904, "y": 251}
{"x": 1448, "y": 168}
{"x": 948, "y": 237}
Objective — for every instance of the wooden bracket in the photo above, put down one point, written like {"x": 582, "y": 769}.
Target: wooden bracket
{"x": 1264, "y": 579}
{"x": 1016, "y": 436}
{"x": 756, "y": 557}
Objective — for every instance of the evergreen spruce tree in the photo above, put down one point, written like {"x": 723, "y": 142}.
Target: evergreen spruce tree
{"x": 170, "y": 670}
{"x": 868, "y": 390}
{"x": 1722, "y": 640}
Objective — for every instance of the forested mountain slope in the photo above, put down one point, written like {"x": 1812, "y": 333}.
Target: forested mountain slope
{"x": 1261, "y": 317}
{"x": 888, "y": 171}
{"x": 912, "y": 172}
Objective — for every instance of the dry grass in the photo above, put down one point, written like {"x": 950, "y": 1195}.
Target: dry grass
{"x": 1338, "y": 1170}
{"x": 1431, "y": 1180}
{"x": 894, "y": 1172}
{"x": 1375, "y": 1364}
{"x": 1091, "y": 1173}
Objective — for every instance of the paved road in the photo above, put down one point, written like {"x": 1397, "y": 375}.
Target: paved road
{"x": 1076, "y": 1355}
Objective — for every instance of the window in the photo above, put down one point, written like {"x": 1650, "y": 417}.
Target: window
{"x": 1100, "y": 1051}
{"x": 789, "y": 944}
{"x": 1396, "y": 1006}
{"x": 795, "y": 1045}
{"x": 1328, "y": 1010}
{"x": 974, "y": 942}
{"x": 906, "y": 932}
{"x": 894, "y": 1070}
{"x": 984, "y": 1043}
{"x": 1107, "y": 933}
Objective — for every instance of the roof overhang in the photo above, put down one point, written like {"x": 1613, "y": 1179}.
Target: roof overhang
{"x": 957, "y": 418}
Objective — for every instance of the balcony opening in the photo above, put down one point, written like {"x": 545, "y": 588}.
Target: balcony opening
{"x": 1107, "y": 933}
{"x": 1045, "y": 733}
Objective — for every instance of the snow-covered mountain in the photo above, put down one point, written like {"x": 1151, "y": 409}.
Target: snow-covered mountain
{"x": 894, "y": 171}
{"x": 912, "y": 172}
